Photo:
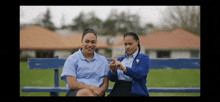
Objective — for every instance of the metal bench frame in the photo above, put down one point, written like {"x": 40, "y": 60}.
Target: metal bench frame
{"x": 55, "y": 63}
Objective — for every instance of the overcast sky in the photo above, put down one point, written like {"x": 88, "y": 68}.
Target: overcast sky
{"x": 148, "y": 14}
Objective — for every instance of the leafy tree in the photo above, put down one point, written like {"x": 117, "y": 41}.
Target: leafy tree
{"x": 62, "y": 21}
{"x": 80, "y": 23}
{"x": 94, "y": 22}
{"x": 46, "y": 21}
{"x": 109, "y": 25}
{"x": 185, "y": 17}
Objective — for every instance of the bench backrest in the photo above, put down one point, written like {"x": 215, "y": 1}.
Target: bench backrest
{"x": 158, "y": 63}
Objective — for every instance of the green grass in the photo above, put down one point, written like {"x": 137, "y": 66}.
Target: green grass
{"x": 155, "y": 78}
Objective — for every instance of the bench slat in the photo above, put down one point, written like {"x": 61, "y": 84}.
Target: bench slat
{"x": 150, "y": 89}
{"x": 182, "y": 63}
{"x": 44, "y": 89}
{"x": 45, "y": 63}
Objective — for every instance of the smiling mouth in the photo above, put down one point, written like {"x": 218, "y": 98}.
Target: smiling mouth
{"x": 90, "y": 49}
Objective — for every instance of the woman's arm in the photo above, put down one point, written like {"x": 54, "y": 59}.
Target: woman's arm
{"x": 75, "y": 85}
{"x": 104, "y": 85}
{"x": 136, "y": 72}
{"x": 140, "y": 71}
{"x": 112, "y": 77}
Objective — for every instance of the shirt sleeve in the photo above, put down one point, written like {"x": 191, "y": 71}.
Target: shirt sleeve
{"x": 106, "y": 67}
{"x": 69, "y": 68}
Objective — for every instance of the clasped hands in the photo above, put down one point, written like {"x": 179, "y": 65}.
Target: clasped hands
{"x": 116, "y": 65}
{"x": 96, "y": 90}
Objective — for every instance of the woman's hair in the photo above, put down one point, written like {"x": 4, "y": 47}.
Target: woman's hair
{"x": 88, "y": 31}
{"x": 135, "y": 38}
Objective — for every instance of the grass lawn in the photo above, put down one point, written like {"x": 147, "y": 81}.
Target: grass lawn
{"x": 155, "y": 78}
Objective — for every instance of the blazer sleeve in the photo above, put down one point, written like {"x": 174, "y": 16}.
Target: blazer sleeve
{"x": 112, "y": 77}
{"x": 141, "y": 70}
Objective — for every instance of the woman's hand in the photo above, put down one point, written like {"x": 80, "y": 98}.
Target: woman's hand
{"x": 116, "y": 64}
{"x": 120, "y": 66}
{"x": 96, "y": 91}
{"x": 112, "y": 65}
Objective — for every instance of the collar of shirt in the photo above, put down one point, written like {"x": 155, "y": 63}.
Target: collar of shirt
{"x": 133, "y": 55}
{"x": 95, "y": 57}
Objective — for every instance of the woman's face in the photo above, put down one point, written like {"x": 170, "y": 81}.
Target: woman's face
{"x": 130, "y": 44}
{"x": 89, "y": 43}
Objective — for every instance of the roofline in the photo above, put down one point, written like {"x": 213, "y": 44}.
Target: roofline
{"x": 64, "y": 48}
{"x": 162, "y": 48}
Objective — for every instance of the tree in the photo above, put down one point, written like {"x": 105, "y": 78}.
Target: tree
{"x": 149, "y": 28}
{"x": 79, "y": 23}
{"x": 185, "y": 17}
{"x": 122, "y": 23}
{"x": 38, "y": 19}
{"x": 62, "y": 22}
{"x": 94, "y": 22}
{"x": 135, "y": 24}
{"x": 149, "y": 25}
{"x": 46, "y": 21}
{"x": 109, "y": 27}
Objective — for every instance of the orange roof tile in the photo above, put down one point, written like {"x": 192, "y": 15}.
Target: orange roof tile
{"x": 36, "y": 37}
{"x": 177, "y": 39}
{"x": 39, "y": 38}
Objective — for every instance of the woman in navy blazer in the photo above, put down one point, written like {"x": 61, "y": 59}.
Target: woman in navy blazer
{"x": 129, "y": 72}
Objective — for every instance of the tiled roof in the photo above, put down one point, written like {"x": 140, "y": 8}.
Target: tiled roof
{"x": 177, "y": 39}
{"x": 36, "y": 38}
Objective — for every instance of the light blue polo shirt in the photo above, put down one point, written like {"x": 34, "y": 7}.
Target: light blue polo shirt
{"x": 127, "y": 63}
{"x": 86, "y": 72}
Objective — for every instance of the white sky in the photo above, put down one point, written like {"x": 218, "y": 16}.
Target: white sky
{"x": 147, "y": 13}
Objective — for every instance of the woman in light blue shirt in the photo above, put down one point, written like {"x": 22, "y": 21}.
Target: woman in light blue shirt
{"x": 85, "y": 71}
{"x": 129, "y": 72}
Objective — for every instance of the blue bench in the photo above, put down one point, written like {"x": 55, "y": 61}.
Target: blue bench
{"x": 56, "y": 64}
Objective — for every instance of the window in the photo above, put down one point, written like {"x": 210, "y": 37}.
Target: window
{"x": 147, "y": 52}
{"x": 194, "y": 54}
{"x": 163, "y": 54}
{"x": 44, "y": 54}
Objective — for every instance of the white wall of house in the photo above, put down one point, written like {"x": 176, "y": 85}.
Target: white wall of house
{"x": 63, "y": 53}
{"x": 180, "y": 54}
{"x": 152, "y": 54}
{"x": 173, "y": 53}
{"x": 30, "y": 53}
{"x": 101, "y": 52}
{"x": 120, "y": 51}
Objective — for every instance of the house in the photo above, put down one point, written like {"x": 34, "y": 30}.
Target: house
{"x": 176, "y": 44}
{"x": 39, "y": 42}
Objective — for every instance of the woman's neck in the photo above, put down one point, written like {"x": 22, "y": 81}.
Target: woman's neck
{"x": 87, "y": 55}
{"x": 131, "y": 54}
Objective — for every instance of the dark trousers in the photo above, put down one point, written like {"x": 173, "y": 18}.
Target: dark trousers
{"x": 122, "y": 89}
{"x": 72, "y": 93}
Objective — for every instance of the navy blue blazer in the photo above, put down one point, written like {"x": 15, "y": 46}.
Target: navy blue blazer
{"x": 138, "y": 72}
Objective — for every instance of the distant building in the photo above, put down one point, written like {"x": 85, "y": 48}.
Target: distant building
{"x": 176, "y": 44}
{"x": 39, "y": 42}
